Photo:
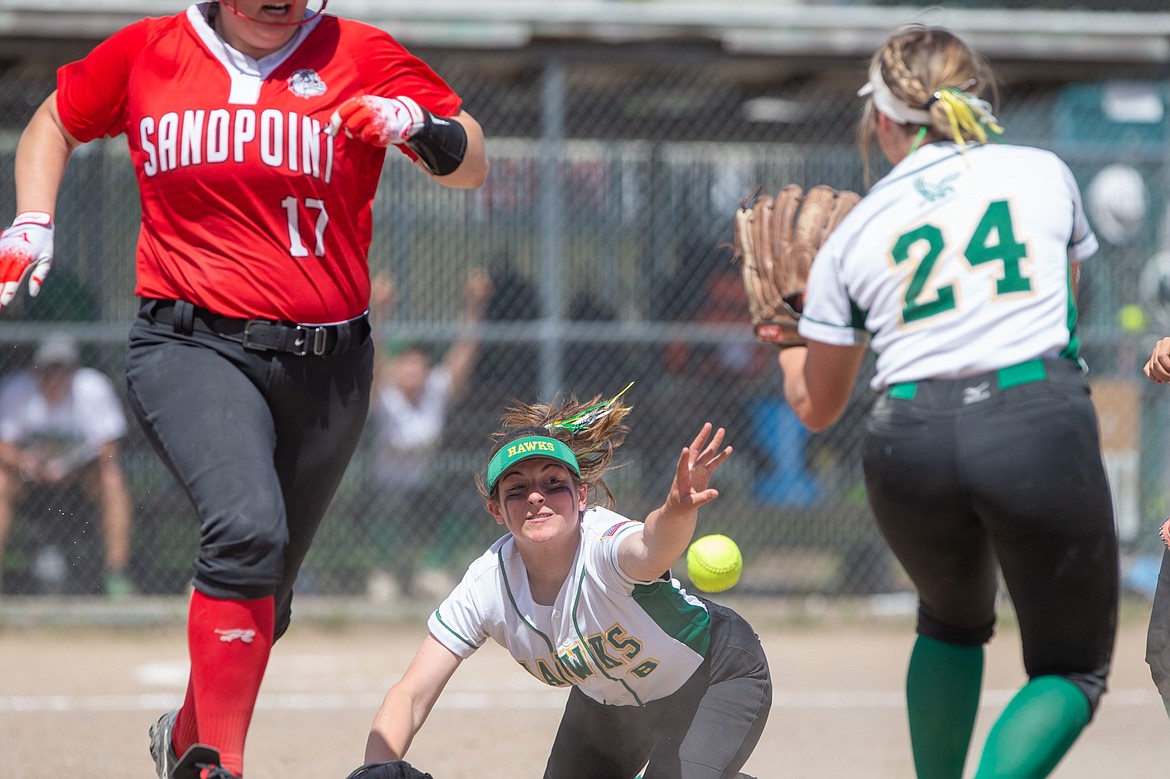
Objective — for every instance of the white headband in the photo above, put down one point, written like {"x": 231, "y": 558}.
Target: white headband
{"x": 884, "y": 101}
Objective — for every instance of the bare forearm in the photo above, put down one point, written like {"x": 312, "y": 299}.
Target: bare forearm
{"x": 394, "y": 728}
{"x": 666, "y": 537}
{"x": 818, "y": 380}
{"x": 795, "y": 389}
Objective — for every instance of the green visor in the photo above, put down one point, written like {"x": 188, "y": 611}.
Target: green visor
{"x": 525, "y": 449}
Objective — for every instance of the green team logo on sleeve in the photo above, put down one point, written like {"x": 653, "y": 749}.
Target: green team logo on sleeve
{"x": 994, "y": 240}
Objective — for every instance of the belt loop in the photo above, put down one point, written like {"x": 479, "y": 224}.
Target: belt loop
{"x": 183, "y": 317}
{"x": 342, "y": 332}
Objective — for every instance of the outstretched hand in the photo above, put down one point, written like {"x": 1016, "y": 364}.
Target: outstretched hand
{"x": 696, "y": 463}
{"x": 668, "y": 529}
{"x": 1158, "y": 366}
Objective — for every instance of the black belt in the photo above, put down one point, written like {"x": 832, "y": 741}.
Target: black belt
{"x": 260, "y": 335}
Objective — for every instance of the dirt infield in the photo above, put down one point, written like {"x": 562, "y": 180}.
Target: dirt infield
{"x": 77, "y": 701}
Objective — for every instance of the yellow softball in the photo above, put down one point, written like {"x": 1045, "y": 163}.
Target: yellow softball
{"x": 714, "y": 563}
{"x": 1132, "y": 318}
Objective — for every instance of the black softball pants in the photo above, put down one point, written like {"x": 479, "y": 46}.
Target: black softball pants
{"x": 258, "y": 440}
{"x": 705, "y": 730}
{"x": 968, "y": 473}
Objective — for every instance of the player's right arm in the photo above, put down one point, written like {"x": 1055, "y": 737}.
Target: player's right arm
{"x": 89, "y": 103}
{"x": 669, "y": 528}
{"x": 407, "y": 704}
{"x": 47, "y": 143}
{"x": 41, "y": 157}
{"x": 26, "y": 247}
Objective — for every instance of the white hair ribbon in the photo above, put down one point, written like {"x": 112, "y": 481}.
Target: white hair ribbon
{"x": 884, "y": 101}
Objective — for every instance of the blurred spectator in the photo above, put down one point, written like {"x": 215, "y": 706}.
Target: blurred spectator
{"x": 505, "y": 366}
{"x": 60, "y": 424}
{"x": 591, "y": 366}
{"x": 408, "y": 413}
{"x": 723, "y": 302}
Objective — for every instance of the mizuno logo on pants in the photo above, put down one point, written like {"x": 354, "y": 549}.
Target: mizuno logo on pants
{"x": 976, "y": 394}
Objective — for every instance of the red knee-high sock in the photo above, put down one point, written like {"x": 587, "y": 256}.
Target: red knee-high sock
{"x": 229, "y": 642}
{"x": 186, "y": 730}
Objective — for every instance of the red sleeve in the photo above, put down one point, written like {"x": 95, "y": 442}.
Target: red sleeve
{"x": 387, "y": 69}
{"x": 91, "y": 92}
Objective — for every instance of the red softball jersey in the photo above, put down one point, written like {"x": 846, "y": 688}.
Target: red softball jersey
{"x": 250, "y": 206}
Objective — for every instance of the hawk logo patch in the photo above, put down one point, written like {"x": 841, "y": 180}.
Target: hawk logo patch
{"x": 306, "y": 84}
{"x": 935, "y": 191}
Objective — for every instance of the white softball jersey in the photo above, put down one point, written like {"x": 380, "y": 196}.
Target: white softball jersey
{"x": 89, "y": 416}
{"x": 406, "y": 435}
{"x": 621, "y": 641}
{"x": 955, "y": 264}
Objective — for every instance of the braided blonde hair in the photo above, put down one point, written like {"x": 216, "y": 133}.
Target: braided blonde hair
{"x": 934, "y": 70}
{"x": 593, "y": 444}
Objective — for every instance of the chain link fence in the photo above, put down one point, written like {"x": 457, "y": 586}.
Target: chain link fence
{"x": 605, "y": 226}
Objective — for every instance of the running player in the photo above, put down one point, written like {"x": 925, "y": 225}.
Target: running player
{"x": 959, "y": 268}
{"x": 257, "y": 132}
{"x": 582, "y": 598}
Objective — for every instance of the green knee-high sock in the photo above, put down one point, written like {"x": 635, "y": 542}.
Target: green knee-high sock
{"x": 942, "y": 698}
{"x": 1035, "y": 730}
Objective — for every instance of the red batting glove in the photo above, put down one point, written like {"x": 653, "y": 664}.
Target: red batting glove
{"x": 380, "y": 121}
{"x": 1165, "y": 532}
{"x": 28, "y": 243}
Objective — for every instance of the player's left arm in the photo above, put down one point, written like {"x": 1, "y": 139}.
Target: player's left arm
{"x": 402, "y": 102}
{"x": 472, "y": 170}
{"x": 668, "y": 529}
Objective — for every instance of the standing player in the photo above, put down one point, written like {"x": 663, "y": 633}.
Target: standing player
{"x": 257, "y": 132}
{"x": 960, "y": 266}
{"x": 408, "y": 417}
{"x": 1157, "y": 369}
{"x": 583, "y": 599}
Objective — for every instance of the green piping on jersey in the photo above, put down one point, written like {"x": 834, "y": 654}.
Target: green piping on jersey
{"x": 566, "y": 676}
{"x": 1073, "y": 350}
{"x": 858, "y": 315}
{"x": 588, "y": 648}
{"x": 971, "y": 147}
{"x": 454, "y": 632}
{"x": 677, "y": 617}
